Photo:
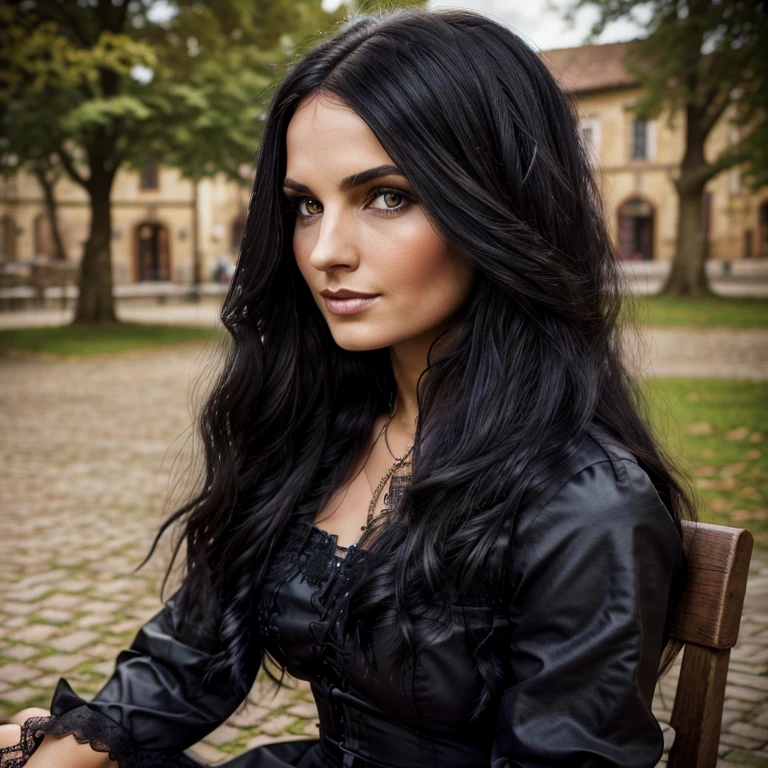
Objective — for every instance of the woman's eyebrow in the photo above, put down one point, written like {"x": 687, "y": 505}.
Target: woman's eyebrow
{"x": 352, "y": 181}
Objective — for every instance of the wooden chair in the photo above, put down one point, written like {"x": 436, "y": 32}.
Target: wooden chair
{"x": 707, "y": 621}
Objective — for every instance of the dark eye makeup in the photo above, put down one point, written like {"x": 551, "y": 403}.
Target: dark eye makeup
{"x": 294, "y": 201}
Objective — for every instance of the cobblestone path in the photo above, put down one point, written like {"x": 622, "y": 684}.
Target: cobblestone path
{"x": 90, "y": 453}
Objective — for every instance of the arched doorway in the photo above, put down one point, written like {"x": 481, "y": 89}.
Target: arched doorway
{"x": 44, "y": 245}
{"x": 238, "y": 230}
{"x": 153, "y": 258}
{"x": 636, "y": 230}
{"x": 762, "y": 245}
{"x": 7, "y": 238}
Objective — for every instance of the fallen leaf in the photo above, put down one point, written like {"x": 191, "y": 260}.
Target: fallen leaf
{"x": 700, "y": 428}
{"x": 739, "y": 433}
{"x": 753, "y": 453}
{"x": 693, "y": 397}
{"x": 730, "y": 470}
{"x": 756, "y": 437}
{"x": 720, "y": 505}
{"x": 707, "y": 453}
{"x": 740, "y": 515}
{"x": 706, "y": 470}
{"x": 724, "y": 484}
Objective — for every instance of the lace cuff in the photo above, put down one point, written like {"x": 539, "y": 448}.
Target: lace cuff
{"x": 71, "y": 715}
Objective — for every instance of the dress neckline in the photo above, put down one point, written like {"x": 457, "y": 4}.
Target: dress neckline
{"x": 334, "y": 537}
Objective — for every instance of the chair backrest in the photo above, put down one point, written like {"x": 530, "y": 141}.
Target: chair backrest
{"x": 707, "y": 621}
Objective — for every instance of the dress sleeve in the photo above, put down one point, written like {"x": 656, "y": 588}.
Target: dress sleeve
{"x": 596, "y": 570}
{"x": 153, "y": 706}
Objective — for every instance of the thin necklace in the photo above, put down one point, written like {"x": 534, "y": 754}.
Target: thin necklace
{"x": 373, "y": 445}
{"x": 391, "y": 471}
{"x": 386, "y": 440}
{"x": 399, "y": 462}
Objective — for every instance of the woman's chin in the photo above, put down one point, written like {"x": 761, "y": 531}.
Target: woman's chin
{"x": 360, "y": 342}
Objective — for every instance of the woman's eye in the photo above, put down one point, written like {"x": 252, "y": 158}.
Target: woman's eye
{"x": 310, "y": 204}
{"x": 394, "y": 202}
{"x": 387, "y": 196}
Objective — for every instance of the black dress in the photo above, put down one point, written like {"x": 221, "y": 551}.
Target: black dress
{"x": 598, "y": 567}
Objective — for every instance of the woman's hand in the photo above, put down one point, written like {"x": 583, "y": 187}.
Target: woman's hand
{"x": 23, "y": 715}
{"x": 54, "y": 751}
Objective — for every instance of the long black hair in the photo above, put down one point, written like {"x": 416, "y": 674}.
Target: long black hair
{"x": 491, "y": 147}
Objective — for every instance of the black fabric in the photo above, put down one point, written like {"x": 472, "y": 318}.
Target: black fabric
{"x": 597, "y": 561}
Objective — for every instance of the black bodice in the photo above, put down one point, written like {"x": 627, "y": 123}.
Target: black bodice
{"x": 597, "y": 568}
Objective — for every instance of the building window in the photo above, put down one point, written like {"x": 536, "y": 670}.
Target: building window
{"x": 149, "y": 177}
{"x": 591, "y": 131}
{"x": 643, "y": 139}
{"x": 639, "y": 139}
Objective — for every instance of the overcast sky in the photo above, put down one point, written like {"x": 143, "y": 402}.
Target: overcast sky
{"x": 543, "y": 29}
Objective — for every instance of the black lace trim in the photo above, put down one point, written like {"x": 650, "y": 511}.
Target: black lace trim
{"x": 89, "y": 727}
{"x": 305, "y": 550}
{"x": 311, "y": 552}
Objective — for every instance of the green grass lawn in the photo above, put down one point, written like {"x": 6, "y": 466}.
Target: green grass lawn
{"x": 719, "y": 427}
{"x": 69, "y": 340}
{"x": 701, "y": 313}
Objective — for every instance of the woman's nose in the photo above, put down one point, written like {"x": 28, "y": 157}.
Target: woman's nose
{"x": 335, "y": 244}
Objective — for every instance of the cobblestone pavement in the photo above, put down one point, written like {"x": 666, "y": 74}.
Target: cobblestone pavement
{"x": 712, "y": 353}
{"x": 91, "y": 453}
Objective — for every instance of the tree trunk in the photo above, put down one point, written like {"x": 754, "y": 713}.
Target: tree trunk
{"x": 95, "y": 303}
{"x": 688, "y": 277}
{"x": 51, "y": 210}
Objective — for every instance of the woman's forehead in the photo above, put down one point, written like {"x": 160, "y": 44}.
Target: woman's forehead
{"x": 327, "y": 135}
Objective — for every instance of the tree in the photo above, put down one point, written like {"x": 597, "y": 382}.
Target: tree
{"x": 119, "y": 84}
{"x": 702, "y": 61}
{"x": 34, "y": 148}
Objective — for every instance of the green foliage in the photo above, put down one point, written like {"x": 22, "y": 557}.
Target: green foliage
{"x": 373, "y": 6}
{"x": 700, "y": 59}
{"x": 184, "y": 83}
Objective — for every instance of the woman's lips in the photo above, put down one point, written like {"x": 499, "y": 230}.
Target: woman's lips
{"x": 348, "y": 306}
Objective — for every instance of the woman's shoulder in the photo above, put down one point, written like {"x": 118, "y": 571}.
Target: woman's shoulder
{"x": 599, "y": 514}
{"x": 595, "y": 449}
{"x": 600, "y": 488}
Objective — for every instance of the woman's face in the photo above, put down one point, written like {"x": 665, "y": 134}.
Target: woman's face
{"x": 366, "y": 235}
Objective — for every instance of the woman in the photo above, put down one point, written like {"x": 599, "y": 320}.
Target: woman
{"x": 430, "y": 487}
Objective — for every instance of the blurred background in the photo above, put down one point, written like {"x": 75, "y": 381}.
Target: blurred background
{"x": 128, "y": 134}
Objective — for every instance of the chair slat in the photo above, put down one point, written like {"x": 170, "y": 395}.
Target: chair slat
{"x": 698, "y": 708}
{"x": 709, "y": 613}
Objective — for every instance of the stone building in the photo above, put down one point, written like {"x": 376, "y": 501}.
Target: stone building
{"x": 156, "y": 213}
{"x": 639, "y": 159}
